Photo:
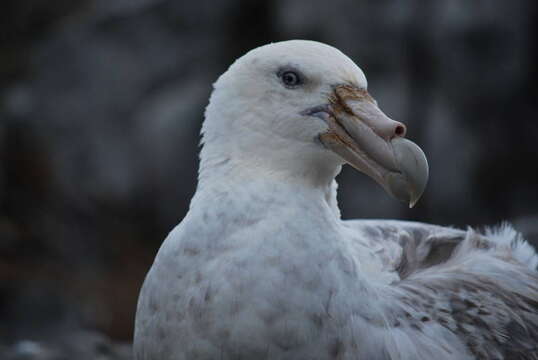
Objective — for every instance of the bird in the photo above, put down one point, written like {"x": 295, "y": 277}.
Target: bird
{"x": 263, "y": 266}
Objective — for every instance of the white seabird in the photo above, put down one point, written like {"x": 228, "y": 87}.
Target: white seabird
{"x": 262, "y": 266}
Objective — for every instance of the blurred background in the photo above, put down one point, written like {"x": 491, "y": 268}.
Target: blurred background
{"x": 101, "y": 104}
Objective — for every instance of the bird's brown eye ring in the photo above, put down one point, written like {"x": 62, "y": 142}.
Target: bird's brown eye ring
{"x": 290, "y": 78}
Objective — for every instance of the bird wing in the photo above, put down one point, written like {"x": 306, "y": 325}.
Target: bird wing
{"x": 405, "y": 246}
{"x": 481, "y": 289}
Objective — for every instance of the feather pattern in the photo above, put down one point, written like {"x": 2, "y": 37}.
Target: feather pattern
{"x": 481, "y": 287}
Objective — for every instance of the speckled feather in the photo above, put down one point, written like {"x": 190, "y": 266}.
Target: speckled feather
{"x": 482, "y": 287}
{"x": 262, "y": 266}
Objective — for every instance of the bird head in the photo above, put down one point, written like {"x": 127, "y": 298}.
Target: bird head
{"x": 306, "y": 105}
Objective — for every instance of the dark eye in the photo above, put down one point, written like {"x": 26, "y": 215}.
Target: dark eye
{"x": 290, "y": 78}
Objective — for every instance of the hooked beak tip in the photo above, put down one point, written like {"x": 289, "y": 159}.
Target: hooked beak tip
{"x": 410, "y": 183}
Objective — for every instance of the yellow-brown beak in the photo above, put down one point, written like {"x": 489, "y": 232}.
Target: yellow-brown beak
{"x": 374, "y": 144}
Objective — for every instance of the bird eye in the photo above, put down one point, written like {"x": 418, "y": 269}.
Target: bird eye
{"x": 290, "y": 78}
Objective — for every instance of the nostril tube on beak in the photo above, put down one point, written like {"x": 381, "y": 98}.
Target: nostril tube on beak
{"x": 389, "y": 129}
{"x": 400, "y": 130}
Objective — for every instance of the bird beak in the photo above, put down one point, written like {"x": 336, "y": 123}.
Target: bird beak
{"x": 374, "y": 144}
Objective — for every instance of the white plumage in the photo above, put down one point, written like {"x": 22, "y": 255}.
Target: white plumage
{"x": 262, "y": 266}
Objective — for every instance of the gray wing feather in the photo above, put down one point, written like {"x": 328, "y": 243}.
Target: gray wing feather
{"x": 481, "y": 287}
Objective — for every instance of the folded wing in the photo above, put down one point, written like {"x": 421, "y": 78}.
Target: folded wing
{"x": 481, "y": 289}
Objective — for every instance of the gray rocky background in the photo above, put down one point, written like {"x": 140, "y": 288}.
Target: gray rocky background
{"x": 101, "y": 103}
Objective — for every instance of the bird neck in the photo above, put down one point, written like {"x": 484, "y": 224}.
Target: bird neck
{"x": 281, "y": 160}
{"x": 270, "y": 179}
